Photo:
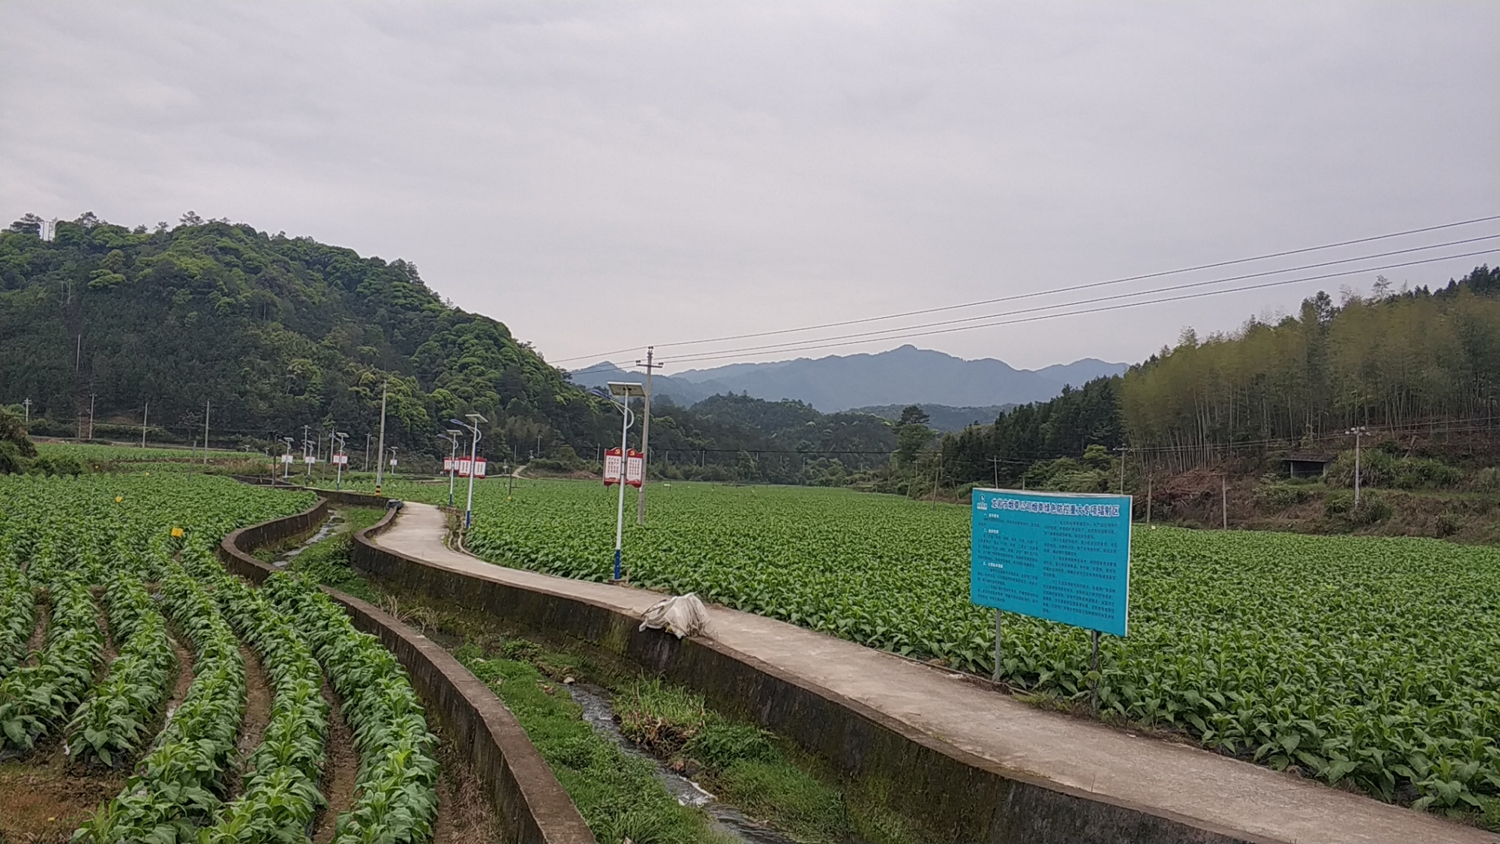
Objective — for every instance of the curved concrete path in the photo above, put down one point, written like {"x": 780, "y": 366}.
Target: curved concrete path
{"x": 1198, "y": 787}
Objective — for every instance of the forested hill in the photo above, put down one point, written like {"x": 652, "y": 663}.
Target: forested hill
{"x": 273, "y": 332}
{"x": 1422, "y": 361}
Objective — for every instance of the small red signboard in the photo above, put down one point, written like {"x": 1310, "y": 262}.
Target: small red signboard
{"x": 612, "y": 466}
{"x": 635, "y": 468}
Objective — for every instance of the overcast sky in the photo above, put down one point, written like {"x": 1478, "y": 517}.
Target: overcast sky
{"x": 606, "y": 175}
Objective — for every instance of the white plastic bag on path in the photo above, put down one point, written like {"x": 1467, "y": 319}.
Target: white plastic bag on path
{"x": 680, "y": 615}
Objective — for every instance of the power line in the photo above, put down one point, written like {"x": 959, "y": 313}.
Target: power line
{"x": 876, "y": 334}
{"x": 1073, "y": 288}
{"x": 810, "y": 345}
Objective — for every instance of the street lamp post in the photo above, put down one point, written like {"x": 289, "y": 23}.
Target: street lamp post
{"x": 473, "y": 429}
{"x": 624, "y": 391}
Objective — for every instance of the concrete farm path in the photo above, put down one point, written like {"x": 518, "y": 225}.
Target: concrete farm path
{"x": 1173, "y": 780}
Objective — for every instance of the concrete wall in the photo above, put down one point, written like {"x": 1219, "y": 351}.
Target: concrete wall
{"x": 955, "y": 796}
{"x": 530, "y": 805}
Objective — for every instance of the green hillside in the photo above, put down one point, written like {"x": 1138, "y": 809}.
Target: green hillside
{"x": 274, "y": 332}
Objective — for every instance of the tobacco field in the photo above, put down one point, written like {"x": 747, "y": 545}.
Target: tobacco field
{"x": 100, "y": 576}
{"x": 1370, "y": 661}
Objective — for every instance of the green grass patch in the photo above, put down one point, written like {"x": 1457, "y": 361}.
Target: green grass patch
{"x": 618, "y": 795}
{"x": 327, "y": 561}
{"x": 750, "y": 768}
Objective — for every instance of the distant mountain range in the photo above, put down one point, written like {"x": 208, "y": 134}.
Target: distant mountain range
{"x": 899, "y": 377}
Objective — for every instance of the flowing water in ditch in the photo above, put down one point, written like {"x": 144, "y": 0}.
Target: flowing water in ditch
{"x": 600, "y": 714}
{"x": 329, "y": 526}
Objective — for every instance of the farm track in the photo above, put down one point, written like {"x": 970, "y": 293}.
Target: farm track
{"x": 340, "y": 770}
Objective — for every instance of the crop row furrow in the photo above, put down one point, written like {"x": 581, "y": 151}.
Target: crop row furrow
{"x": 111, "y": 725}
{"x": 35, "y": 700}
{"x": 177, "y": 786}
{"x": 280, "y": 797}
{"x": 396, "y": 798}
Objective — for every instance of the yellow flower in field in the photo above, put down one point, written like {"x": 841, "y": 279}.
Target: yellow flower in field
{"x": 119, "y": 498}
{"x": 176, "y": 533}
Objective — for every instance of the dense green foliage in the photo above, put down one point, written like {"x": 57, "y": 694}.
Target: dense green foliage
{"x": 1390, "y": 360}
{"x": 36, "y": 700}
{"x": 1373, "y": 661}
{"x": 396, "y": 789}
{"x": 276, "y": 332}
{"x": 178, "y": 786}
{"x": 118, "y": 529}
{"x": 280, "y": 790}
{"x": 112, "y": 723}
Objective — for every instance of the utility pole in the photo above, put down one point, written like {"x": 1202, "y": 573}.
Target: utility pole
{"x": 27, "y": 405}
{"x": 1121, "y": 449}
{"x": 368, "y": 437}
{"x": 145, "y": 414}
{"x": 640, "y": 491}
{"x": 92, "y": 396}
{"x": 380, "y": 449}
{"x": 995, "y": 462}
{"x": 1224, "y": 497}
{"x": 206, "y": 405}
{"x": 1358, "y": 431}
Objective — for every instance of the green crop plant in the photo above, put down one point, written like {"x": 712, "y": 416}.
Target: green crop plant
{"x": 396, "y": 798}
{"x": 110, "y": 726}
{"x": 1369, "y": 661}
{"x": 36, "y": 699}
{"x": 17, "y": 614}
{"x": 177, "y": 786}
{"x": 280, "y": 796}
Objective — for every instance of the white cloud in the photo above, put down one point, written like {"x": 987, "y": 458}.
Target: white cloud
{"x": 730, "y": 168}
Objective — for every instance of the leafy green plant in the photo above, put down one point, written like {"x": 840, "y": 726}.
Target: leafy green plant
{"x": 110, "y": 726}
{"x": 36, "y": 699}
{"x": 396, "y": 787}
{"x": 177, "y": 787}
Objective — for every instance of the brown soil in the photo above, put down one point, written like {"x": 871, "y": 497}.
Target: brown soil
{"x": 257, "y": 711}
{"x": 38, "y": 638}
{"x": 464, "y": 815}
{"x": 339, "y": 770}
{"x": 184, "y": 674}
{"x": 44, "y": 803}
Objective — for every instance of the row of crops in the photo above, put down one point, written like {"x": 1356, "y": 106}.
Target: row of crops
{"x": 1361, "y": 660}
{"x": 129, "y": 557}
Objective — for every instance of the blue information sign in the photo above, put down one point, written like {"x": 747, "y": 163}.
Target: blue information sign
{"x": 1058, "y": 556}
